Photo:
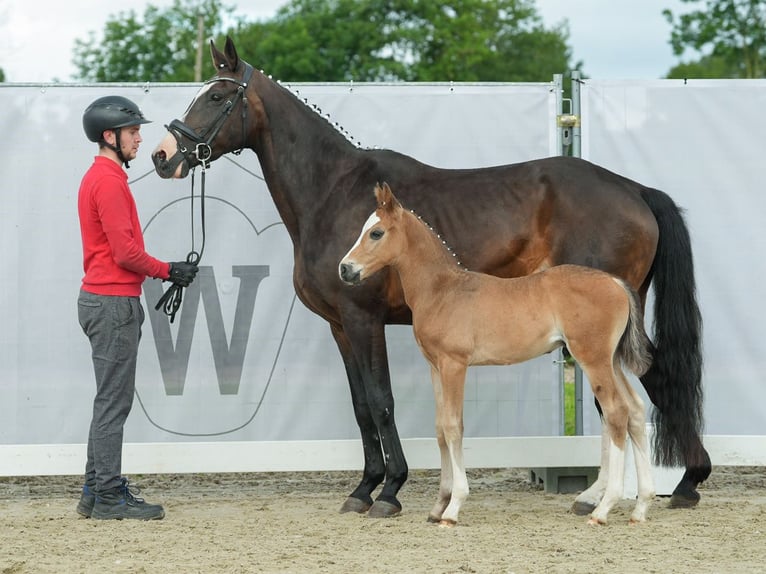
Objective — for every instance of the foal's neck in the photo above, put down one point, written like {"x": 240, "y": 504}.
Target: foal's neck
{"x": 427, "y": 266}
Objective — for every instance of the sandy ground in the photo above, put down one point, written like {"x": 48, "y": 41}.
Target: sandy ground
{"x": 280, "y": 522}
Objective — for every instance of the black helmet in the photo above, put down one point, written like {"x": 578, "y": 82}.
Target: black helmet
{"x": 109, "y": 113}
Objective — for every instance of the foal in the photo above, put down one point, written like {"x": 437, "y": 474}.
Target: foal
{"x": 461, "y": 318}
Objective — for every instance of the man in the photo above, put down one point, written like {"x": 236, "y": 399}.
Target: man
{"x": 109, "y": 308}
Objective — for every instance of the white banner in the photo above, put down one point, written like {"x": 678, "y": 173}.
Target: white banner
{"x": 244, "y": 360}
{"x": 702, "y": 143}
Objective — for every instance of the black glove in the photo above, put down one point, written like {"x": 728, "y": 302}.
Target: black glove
{"x": 182, "y": 273}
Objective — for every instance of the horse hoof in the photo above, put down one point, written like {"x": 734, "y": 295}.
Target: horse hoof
{"x": 684, "y": 501}
{"x": 434, "y": 519}
{"x": 446, "y": 523}
{"x": 354, "y": 505}
{"x": 383, "y": 509}
{"x": 582, "y": 508}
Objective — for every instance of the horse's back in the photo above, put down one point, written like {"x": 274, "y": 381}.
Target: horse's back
{"x": 512, "y": 220}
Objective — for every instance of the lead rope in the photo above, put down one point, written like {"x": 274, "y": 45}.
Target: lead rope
{"x": 172, "y": 298}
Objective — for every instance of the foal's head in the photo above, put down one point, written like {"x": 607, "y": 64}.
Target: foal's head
{"x": 381, "y": 240}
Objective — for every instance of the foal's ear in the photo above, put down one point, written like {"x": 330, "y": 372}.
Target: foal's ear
{"x": 385, "y": 197}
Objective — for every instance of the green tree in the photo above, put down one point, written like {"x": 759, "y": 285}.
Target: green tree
{"x": 160, "y": 47}
{"x": 412, "y": 40}
{"x": 2, "y": 75}
{"x": 731, "y": 35}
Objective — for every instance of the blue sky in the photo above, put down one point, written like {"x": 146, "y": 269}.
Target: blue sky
{"x": 616, "y": 39}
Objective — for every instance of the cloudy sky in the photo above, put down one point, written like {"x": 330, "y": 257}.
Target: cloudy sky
{"x": 616, "y": 39}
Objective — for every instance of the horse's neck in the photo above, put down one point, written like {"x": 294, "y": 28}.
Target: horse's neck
{"x": 299, "y": 152}
{"x": 427, "y": 267}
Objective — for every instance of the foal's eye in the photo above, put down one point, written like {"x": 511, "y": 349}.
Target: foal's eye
{"x": 376, "y": 234}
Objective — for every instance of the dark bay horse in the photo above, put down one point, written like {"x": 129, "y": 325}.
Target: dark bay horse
{"x": 462, "y": 318}
{"x": 509, "y": 221}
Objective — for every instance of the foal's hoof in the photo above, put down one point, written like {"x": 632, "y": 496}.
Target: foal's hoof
{"x": 582, "y": 508}
{"x": 354, "y": 505}
{"x": 383, "y": 509}
{"x": 690, "y": 499}
{"x": 595, "y": 522}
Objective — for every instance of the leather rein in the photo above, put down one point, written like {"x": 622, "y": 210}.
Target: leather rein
{"x": 171, "y": 299}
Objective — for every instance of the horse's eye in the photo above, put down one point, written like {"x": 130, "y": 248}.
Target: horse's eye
{"x": 376, "y": 234}
{"x": 216, "y": 97}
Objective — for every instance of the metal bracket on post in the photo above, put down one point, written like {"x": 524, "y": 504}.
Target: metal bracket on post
{"x": 566, "y": 124}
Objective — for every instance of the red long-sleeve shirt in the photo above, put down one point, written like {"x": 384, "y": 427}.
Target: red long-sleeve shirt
{"x": 114, "y": 258}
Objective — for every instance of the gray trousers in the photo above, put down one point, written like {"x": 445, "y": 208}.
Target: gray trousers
{"x": 113, "y": 325}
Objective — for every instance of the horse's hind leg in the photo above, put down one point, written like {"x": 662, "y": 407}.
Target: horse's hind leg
{"x": 445, "y": 482}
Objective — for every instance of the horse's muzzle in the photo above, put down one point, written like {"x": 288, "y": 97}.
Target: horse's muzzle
{"x": 168, "y": 168}
{"x": 349, "y": 274}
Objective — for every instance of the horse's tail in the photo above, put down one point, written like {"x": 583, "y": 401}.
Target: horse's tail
{"x": 634, "y": 349}
{"x": 674, "y": 381}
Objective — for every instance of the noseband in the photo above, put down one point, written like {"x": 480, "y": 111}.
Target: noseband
{"x": 202, "y": 142}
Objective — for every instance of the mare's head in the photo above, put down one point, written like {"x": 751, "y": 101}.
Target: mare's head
{"x": 381, "y": 241}
{"x": 219, "y": 119}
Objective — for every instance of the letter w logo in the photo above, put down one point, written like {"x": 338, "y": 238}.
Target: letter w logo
{"x": 228, "y": 358}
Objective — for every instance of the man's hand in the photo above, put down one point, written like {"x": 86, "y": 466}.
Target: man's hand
{"x": 182, "y": 273}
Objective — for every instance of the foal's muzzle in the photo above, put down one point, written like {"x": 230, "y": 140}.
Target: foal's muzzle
{"x": 349, "y": 274}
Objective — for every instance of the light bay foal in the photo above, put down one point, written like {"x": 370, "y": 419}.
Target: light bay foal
{"x": 462, "y": 318}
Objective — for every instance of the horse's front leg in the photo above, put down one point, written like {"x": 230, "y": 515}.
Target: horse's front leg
{"x": 360, "y": 500}
{"x": 367, "y": 337}
{"x": 445, "y": 482}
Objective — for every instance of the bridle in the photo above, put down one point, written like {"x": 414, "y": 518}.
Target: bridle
{"x": 171, "y": 299}
{"x": 203, "y": 151}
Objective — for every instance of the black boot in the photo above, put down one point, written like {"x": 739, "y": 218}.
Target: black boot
{"x": 121, "y": 502}
{"x": 87, "y": 500}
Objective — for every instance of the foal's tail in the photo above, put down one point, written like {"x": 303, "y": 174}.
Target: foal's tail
{"x": 634, "y": 349}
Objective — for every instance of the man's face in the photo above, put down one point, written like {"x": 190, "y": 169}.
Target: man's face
{"x": 130, "y": 138}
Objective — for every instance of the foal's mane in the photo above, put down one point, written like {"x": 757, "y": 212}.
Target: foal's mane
{"x": 438, "y": 237}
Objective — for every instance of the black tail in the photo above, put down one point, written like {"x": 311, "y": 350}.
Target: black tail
{"x": 674, "y": 381}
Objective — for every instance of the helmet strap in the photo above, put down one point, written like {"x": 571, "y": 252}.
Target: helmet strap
{"x": 117, "y": 148}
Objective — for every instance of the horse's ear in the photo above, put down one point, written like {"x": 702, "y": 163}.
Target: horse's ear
{"x": 231, "y": 53}
{"x": 219, "y": 60}
{"x": 227, "y": 59}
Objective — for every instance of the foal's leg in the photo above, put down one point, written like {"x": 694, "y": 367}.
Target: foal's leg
{"x": 450, "y": 418}
{"x": 588, "y": 499}
{"x": 637, "y": 432}
{"x": 604, "y": 385}
{"x": 445, "y": 483}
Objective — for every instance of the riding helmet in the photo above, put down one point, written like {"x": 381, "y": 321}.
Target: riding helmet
{"x": 109, "y": 113}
